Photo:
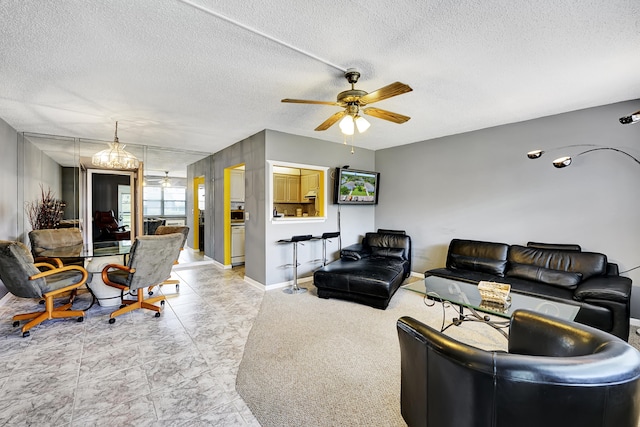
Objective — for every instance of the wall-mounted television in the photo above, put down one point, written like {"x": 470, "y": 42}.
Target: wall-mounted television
{"x": 356, "y": 187}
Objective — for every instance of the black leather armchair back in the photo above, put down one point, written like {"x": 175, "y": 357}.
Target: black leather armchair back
{"x": 386, "y": 242}
{"x": 556, "y": 373}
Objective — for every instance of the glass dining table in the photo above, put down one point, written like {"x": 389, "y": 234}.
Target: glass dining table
{"x": 96, "y": 257}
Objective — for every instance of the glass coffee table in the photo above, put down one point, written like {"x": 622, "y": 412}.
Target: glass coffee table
{"x": 462, "y": 295}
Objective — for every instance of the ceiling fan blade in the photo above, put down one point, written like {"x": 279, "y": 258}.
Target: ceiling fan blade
{"x": 388, "y": 91}
{"x": 306, "y": 101}
{"x": 331, "y": 120}
{"x": 385, "y": 115}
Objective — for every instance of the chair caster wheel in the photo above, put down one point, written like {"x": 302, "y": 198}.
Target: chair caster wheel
{"x": 80, "y": 319}
{"x": 177, "y": 288}
{"x": 150, "y": 292}
{"x": 161, "y": 302}
{"x": 158, "y": 314}
{"x": 26, "y": 334}
{"x": 16, "y": 323}
{"x": 112, "y": 321}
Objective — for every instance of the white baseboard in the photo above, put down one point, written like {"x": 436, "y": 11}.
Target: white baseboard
{"x": 254, "y": 283}
{"x": 288, "y": 283}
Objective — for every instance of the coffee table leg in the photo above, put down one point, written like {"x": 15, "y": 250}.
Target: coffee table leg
{"x": 474, "y": 316}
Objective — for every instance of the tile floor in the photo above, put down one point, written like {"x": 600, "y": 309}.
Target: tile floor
{"x": 176, "y": 370}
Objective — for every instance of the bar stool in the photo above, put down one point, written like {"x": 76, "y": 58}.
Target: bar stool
{"x": 295, "y": 289}
{"x": 325, "y": 237}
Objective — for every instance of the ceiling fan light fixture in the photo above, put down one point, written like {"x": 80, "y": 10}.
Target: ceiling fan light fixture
{"x": 346, "y": 125}
{"x": 362, "y": 124}
{"x": 166, "y": 182}
{"x": 115, "y": 157}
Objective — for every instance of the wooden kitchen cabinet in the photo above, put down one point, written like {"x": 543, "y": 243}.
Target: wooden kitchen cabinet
{"x": 237, "y": 185}
{"x": 286, "y": 188}
{"x": 308, "y": 183}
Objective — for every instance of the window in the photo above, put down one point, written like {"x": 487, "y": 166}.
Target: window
{"x": 298, "y": 192}
{"x": 164, "y": 201}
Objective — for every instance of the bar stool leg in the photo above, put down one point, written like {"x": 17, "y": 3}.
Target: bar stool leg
{"x": 324, "y": 252}
{"x": 295, "y": 289}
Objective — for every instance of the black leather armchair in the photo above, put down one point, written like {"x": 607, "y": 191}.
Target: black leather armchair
{"x": 555, "y": 373}
{"x": 109, "y": 228}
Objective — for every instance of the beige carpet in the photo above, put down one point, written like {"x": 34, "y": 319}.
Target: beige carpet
{"x": 316, "y": 362}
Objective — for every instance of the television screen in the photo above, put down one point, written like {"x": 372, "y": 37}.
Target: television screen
{"x": 356, "y": 187}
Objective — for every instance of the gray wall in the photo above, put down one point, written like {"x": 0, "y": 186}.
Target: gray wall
{"x": 36, "y": 172}
{"x": 264, "y": 257}
{"x": 355, "y": 220}
{"x": 480, "y": 185}
{"x": 9, "y": 180}
{"x": 249, "y": 151}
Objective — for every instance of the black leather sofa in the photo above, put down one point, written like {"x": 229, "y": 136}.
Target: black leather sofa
{"x": 555, "y": 374}
{"x": 557, "y": 272}
{"x": 369, "y": 272}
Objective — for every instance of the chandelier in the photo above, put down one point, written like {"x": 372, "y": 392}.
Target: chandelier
{"x": 115, "y": 157}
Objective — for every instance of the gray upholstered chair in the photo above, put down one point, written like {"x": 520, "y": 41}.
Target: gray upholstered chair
{"x": 61, "y": 240}
{"x": 150, "y": 262}
{"x": 556, "y": 373}
{"x": 168, "y": 229}
{"x": 21, "y": 277}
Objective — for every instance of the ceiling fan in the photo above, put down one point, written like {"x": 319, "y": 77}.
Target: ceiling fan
{"x": 352, "y": 100}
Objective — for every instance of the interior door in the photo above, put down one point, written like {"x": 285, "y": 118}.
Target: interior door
{"x": 109, "y": 190}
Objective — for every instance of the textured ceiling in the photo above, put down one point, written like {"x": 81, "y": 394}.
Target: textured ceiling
{"x": 204, "y": 74}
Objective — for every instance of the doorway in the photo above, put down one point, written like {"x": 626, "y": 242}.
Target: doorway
{"x": 234, "y": 215}
{"x": 109, "y": 191}
{"x": 199, "y": 206}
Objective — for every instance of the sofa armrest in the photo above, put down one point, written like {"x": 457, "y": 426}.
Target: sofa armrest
{"x": 355, "y": 252}
{"x": 610, "y": 288}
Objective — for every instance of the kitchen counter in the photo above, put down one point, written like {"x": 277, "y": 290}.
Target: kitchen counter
{"x": 288, "y": 219}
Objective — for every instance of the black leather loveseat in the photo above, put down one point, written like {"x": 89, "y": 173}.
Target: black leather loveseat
{"x": 560, "y": 272}
{"x": 369, "y": 272}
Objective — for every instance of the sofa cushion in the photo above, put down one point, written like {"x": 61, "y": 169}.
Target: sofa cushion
{"x": 387, "y": 252}
{"x": 468, "y": 276}
{"x": 350, "y": 255}
{"x": 589, "y": 264}
{"x": 565, "y": 279}
{"x": 612, "y": 288}
{"x": 485, "y": 265}
{"x": 558, "y": 246}
{"x": 486, "y": 254}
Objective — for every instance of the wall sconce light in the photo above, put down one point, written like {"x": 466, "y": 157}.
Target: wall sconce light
{"x": 536, "y": 154}
{"x": 565, "y": 161}
{"x": 630, "y": 119}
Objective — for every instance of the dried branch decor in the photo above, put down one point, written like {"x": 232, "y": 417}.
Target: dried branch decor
{"x": 45, "y": 212}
